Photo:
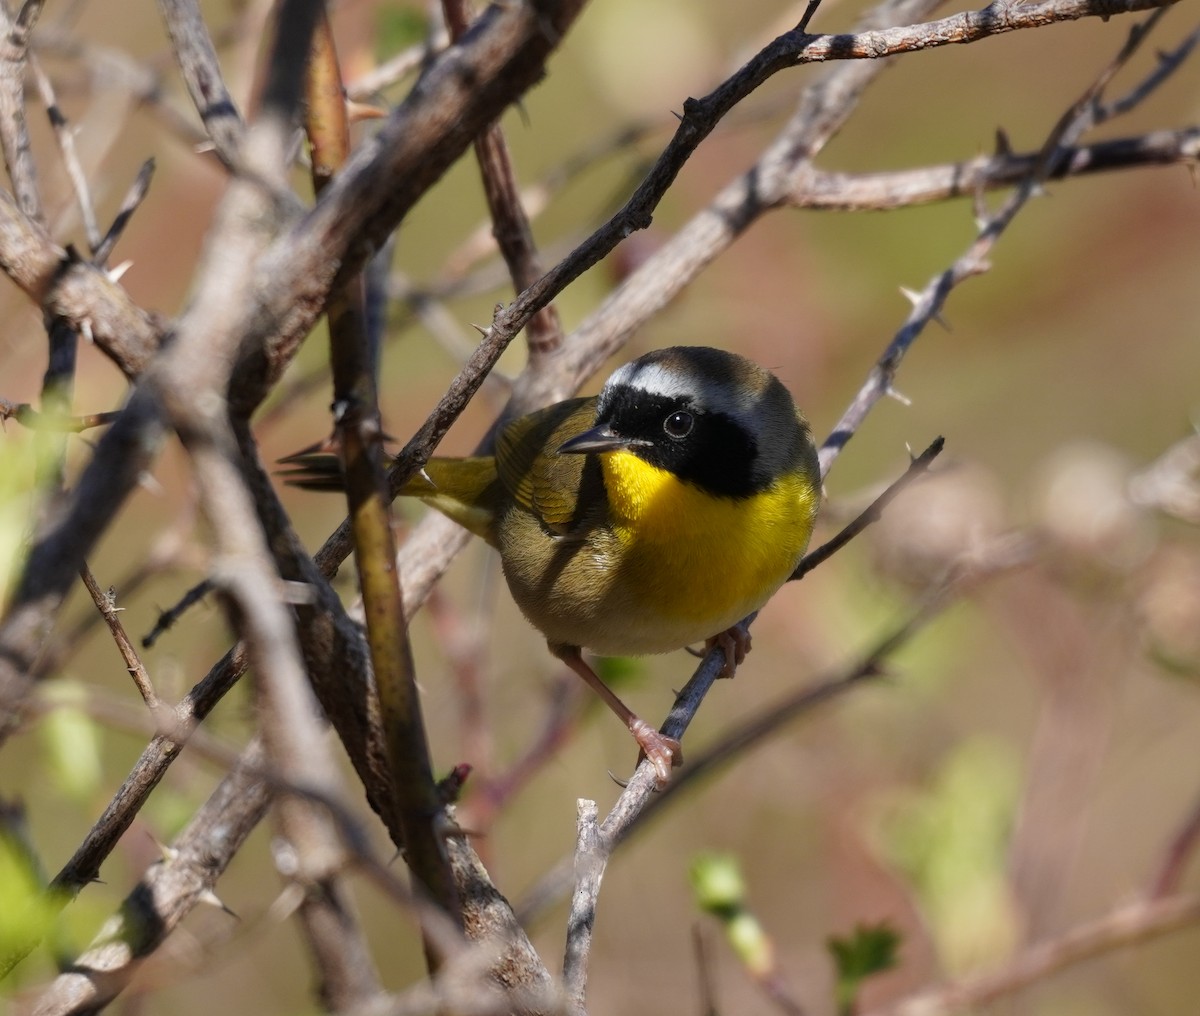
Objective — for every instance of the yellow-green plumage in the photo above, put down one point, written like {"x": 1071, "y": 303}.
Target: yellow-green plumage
{"x": 611, "y": 553}
{"x": 655, "y": 515}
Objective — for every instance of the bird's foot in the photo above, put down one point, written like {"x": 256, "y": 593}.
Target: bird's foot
{"x": 662, "y": 751}
{"x": 735, "y": 644}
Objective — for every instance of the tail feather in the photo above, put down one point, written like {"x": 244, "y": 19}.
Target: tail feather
{"x": 467, "y": 491}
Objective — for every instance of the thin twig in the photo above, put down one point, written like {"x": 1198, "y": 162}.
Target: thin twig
{"x": 29, "y": 417}
{"x": 510, "y": 222}
{"x": 167, "y": 892}
{"x": 358, "y": 436}
{"x": 928, "y": 303}
{"x": 201, "y": 70}
{"x": 66, "y": 147}
{"x": 1179, "y": 853}
{"x": 872, "y": 513}
{"x": 1121, "y": 928}
{"x": 636, "y": 800}
{"x": 129, "y": 204}
{"x": 106, "y": 604}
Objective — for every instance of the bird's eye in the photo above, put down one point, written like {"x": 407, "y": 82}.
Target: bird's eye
{"x": 678, "y": 424}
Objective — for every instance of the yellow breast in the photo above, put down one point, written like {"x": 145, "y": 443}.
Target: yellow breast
{"x": 696, "y": 563}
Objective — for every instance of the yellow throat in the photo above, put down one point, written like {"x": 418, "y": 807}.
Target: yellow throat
{"x": 702, "y": 556}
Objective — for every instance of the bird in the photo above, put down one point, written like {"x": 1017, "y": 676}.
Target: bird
{"x": 651, "y": 517}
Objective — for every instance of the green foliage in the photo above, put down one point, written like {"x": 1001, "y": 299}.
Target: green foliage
{"x": 16, "y": 470}
{"x": 72, "y": 743}
{"x": 870, "y": 949}
{"x": 718, "y": 884}
{"x": 720, "y": 890}
{"x": 397, "y": 28}
{"x": 950, "y": 841}
{"x": 27, "y": 914}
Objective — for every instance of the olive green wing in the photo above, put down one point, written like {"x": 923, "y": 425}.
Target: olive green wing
{"x": 537, "y": 477}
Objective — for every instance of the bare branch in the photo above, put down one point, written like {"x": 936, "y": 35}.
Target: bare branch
{"x": 14, "y": 127}
{"x": 66, "y": 147}
{"x": 202, "y": 74}
{"x": 1125, "y": 926}
{"x": 133, "y": 198}
{"x": 167, "y": 893}
{"x": 106, "y": 603}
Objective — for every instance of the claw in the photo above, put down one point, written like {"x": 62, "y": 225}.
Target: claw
{"x": 735, "y": 644}
{"x": 662, "y": 751}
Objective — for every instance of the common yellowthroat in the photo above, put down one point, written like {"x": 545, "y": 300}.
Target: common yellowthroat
{"x": 655, "y": 515}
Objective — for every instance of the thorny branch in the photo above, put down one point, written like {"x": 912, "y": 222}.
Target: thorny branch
{"x": 68, "y": 289}
{"x": 597, "y": 846}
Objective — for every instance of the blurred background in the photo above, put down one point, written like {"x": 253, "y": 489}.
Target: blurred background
{"x": 1027, "y": 758}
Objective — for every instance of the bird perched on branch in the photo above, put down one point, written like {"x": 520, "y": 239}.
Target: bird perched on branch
{"x": 653, "y": 516}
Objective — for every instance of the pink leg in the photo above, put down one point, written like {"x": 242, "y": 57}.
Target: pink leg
{"x": 662, "y": 751}
{"x": 735, "y": 644}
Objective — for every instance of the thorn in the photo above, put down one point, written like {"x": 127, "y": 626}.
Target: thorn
{"x": 426, "y": 477}
{"x": 117, "y": 271}
{"x": 204, "y": 147}
{"x": 480, "y": 329}
{"x": 980, "y": 211}
{"x": 937, "y": 316}
{"x": 900, "y": 397}
{"x": 167, "y": 853}
{"x": 911, "y": 296}
{"x": 679, "y": 117}
{"x": 286, "y": 903}
{"x": 1003, "y": 145}
{"x": 85, "y": 329}
{"x": 213, "y": 900}
{"x": 326, "y": 446}
{"x": 149, "y": 484}
{"x": 613, "y": 776}
{"x": 356, "y": 112}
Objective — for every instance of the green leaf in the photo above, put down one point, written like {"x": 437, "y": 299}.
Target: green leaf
{"x": 72, "y": 741}
{"x": 718, "y": 884}
{"x": 870, "y": 949}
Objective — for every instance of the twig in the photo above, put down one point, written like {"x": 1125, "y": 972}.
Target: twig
{"x": 358, "y": 435}
{"x": 1180, "y": 851}
{"x": 636, "y": 798}
{"x": 14, "y": 128}
{"x": 106, "y": 604}
{"x": 928, "y": 303}
{"x": 166, "y": 894}
{"x": 872, "y": 513}
{"x": 66, "y": 146}
{"x": 167, "y": 619}
{"x": 510, "y": 223}
{"x": 133, "y": 198}
{"x": 398, "y": 67}
{"x": 832, "y": 191}
{"x": 590, "y": 857}
{"x": 201, "y": 70}
{"x": 29, "y": 417}
{"x": 639, "y": 802}
{"x": 1125, "y": 926}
